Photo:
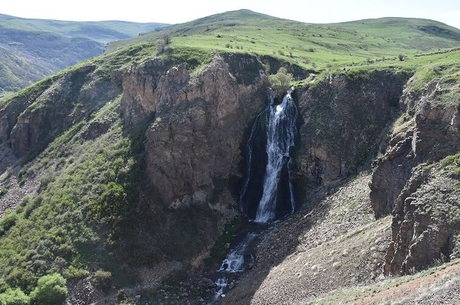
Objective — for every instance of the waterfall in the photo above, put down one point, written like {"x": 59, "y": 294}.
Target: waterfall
{"x": 263, "y": 200}
{"x": 237, "y": 261}
{"x": 281, "y": 130}
{"x": 268, "y": 199}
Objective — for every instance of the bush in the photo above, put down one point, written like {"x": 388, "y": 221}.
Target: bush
{"x": 4, "y": 190}
{"x": 112, "y": 203}
{"x": 163, "y": 43}
{"x": 8, "y": 220}
{"x": 51, "y": 289}
{"x": 103, "y": 280}
{"x": 281, "y": 81}
{"x": 14, "y": 297}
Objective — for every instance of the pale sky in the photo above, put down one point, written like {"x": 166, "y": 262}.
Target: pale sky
{"x": 178, "y": 11}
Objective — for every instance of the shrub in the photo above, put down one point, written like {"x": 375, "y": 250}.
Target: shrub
{"x": 4, "y": 190}
{"x": 163, "y": 43}
{"x": 103, "y": 280}
{"x": 14, "y": 297}
{"x": 281, "y": 81}
{"x": 112, "y": 203}
{"x": 51, "y": 289}
{"x": 8, "y": 220}
{"x": 3, "y": 286}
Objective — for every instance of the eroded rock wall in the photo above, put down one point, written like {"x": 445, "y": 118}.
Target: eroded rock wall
{"x": 194, "y": 141}
{"x": 410, "y": 182}
{"x": 345, "y": 117}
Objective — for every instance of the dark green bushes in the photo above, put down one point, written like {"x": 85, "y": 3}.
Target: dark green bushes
{"x": 111, "y": 204}
{"x": 51, "y": 289}
{"x": 8, "y": 220}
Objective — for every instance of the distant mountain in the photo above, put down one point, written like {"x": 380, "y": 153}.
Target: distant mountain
{"x": 33, "y": 48}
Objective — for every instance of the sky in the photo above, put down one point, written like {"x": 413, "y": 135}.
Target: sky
{"x": 179, "y": 11}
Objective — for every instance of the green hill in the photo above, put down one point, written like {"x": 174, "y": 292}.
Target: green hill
{"x": 32, "y": 48}
{"x": 100, "y": 31}
{"x": 313, "y": 46}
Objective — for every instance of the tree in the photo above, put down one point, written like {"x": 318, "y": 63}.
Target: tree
{"x": 163, "y": 43}
{"x": 51, "y": 289}
{"x": 281, "y": 81}
{"x": 14, "y": 297}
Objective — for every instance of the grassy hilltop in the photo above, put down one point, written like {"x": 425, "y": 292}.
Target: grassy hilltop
{"x": 313, "y": 46}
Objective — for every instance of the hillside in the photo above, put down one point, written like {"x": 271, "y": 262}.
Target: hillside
{"x": 122, "y": 177}
{"x": 32, "y": 48}
{"x": 311, "y": 46}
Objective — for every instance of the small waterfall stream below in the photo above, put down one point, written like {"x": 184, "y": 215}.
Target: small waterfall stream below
{"x": 267, "y": 193}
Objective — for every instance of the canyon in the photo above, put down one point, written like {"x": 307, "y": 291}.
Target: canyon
{"x": 152, "y": 171}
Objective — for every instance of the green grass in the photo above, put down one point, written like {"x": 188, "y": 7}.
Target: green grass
{"x": 443, "y": 66}
{"x": 452, "y": 163}
{"x": 314, "y": 46}
{"x": 360, "y": 45}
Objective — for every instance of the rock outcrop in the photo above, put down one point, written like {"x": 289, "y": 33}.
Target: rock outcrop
{"x": 11, "y": 109}
{"x": 408, "y": 179}
{"x": 139, "y": 83}
{"x": 345, "y": 117}
{"x": 194, "y": 142}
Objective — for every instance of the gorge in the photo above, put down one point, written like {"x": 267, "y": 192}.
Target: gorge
{"x": 158, "y": 175}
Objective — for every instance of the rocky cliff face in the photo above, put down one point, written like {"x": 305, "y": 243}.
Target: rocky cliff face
{"x": 189, "y": 127}
{"x": 139, "y": 83}
{"x": 345, "y": 117}
{"x": 346, "y": 122}
{"x": 193, "y": 144}
{"x": 411, "y": 183}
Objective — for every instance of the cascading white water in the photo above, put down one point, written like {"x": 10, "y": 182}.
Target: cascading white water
{"x": 281, "y": 129}
{"x": 280, "y": 133}
{"x": 222, "y": 283}
{"x": 235, "y": 262}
